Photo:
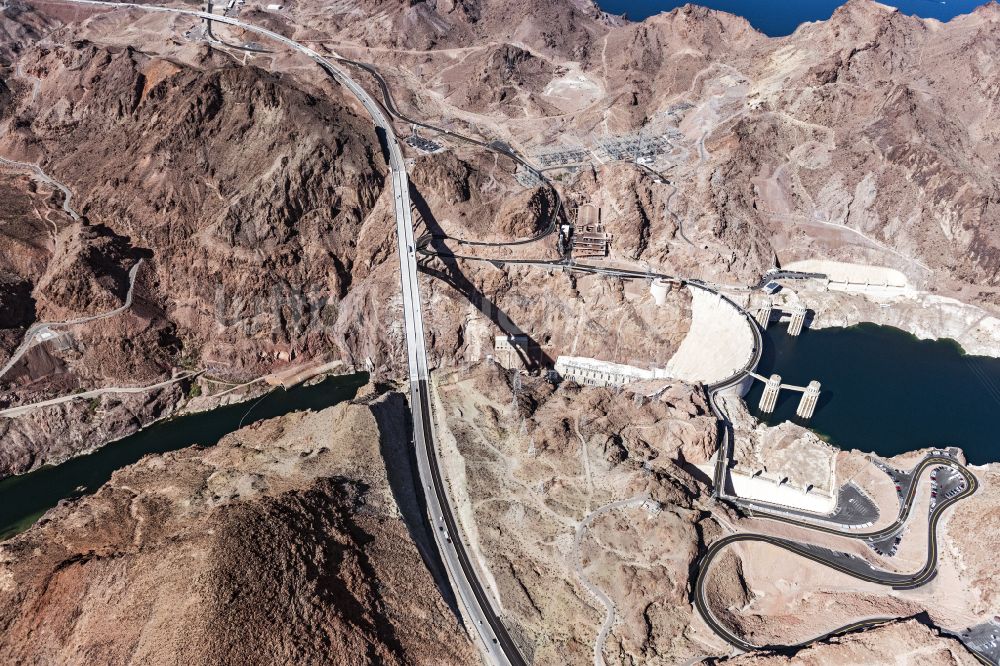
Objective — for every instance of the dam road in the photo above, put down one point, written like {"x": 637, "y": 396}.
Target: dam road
{"x": 478, "y": 607}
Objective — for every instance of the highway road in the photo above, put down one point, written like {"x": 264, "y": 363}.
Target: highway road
{"x": 212, "y": 39}
{"x": 495, "y": 147}
{"x": 494, "y": 639}
{"x": 897, "y": 581}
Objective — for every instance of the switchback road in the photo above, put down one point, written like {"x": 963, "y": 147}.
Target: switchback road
{"x": 849, "y": 566}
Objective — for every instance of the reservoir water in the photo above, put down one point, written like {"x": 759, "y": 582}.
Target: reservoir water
{"x": 780, "y": 17}
{"x": 886, "y": 391}
{"x": 23, "y": 499}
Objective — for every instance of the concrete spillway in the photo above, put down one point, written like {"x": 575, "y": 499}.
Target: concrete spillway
{"x": 807, "y": 405}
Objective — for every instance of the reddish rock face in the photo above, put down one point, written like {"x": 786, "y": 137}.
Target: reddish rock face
{"x": 253, "y": 190}
{"x": 257, "y": 195}
{"x": 245, "y": 196}
{"x": 282, "y": 544}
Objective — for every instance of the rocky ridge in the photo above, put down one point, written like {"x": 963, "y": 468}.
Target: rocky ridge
{"x": 787, "y": 148}
{"x": 283, "y": 543}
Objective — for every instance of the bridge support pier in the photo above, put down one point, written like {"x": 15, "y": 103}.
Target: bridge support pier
{"x": 798, "y": 321}
{"x": 770, "y": 396}
{"x": 807, "y": 405}
{"x": 658, "y": 288}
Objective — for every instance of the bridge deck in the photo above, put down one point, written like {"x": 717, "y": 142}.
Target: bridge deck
{"x": 786, "y": 387}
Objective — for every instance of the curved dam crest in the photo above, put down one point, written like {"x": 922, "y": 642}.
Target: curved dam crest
{"x": 885, "y": 391}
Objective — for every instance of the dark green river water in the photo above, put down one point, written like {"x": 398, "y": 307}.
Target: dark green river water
{"x": 886, "y": 391}
{"x": 23, "y": 499}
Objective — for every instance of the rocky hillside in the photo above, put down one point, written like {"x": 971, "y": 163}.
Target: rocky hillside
{"x": 249, "y": 186}
{"x": 907, "y": 641}
{"x": 250, "y": 191}
{"x": 255, "y": 198}
{"x": 566, "y": 27}
{"x": 20, "y": 25}
{"x": 870, "y": 136}
{"x": 553, "y": 484}
{"x": 284, "y": 543}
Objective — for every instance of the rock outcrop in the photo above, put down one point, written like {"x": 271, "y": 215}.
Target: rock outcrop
{"x": 281, "y": 544}
{"x": 551, "y": 483}
{"x": 906, "y": 641}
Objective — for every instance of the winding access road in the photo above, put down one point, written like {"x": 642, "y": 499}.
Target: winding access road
{"x": 897, "y": 581}
{"x": 495, "y": 641}
{"x": 13, "y": 412}
{"x": 495, "y": 146}
{"x": 32, "y": 333}
{"x": 49, "y": 180}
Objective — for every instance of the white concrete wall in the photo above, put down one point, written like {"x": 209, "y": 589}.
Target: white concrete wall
{"x": 592, "y": 371}
{"x": 718, "y": 344}
{"x": 766, "y": 490}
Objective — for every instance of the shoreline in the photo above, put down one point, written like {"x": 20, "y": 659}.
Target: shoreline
{"x": 180, "y": 410}
{"x": 924, "y": 315}
{"x": 186, "y": 406}
{"x": 974, "y": 331}
{"x": 26, "y": 500}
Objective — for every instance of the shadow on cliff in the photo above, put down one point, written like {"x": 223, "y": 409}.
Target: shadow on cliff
{"x": 395, "y": 434}
{"x": 531, "y": 354}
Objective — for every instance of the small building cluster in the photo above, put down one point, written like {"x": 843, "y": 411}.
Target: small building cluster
{"x": 587, "y": 238}
{"x": 592, "y": 372}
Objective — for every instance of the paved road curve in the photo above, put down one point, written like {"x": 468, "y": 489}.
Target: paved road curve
{"x": 895, "y": 580}
{"x": 496, "y": 642}
{"x": 31, "y": 334}
{"x": 67, "y": 204}
{"x": 495, "y": 147}
{"x": 904, "y": 509}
